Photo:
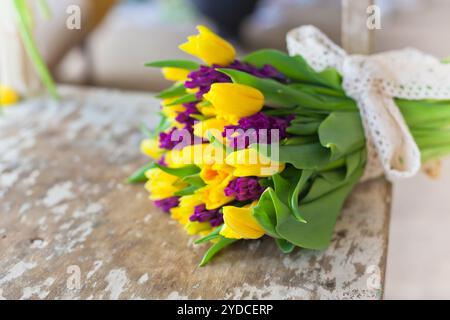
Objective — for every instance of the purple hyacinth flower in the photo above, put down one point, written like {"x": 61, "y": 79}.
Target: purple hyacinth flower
{"x": 244, "y": 189}
{"x": 162, "y": 161}
{"x": 251, "y": 130}
{"x": 267, "y": 71}
{"x": 178, "y": 138}
{"x": 167, "y": 203}
{"x": 185, "y": 116}
{"x": 214, "y": 217}
{"x": 166, "y": 141}
{"x": 203, "y": 78}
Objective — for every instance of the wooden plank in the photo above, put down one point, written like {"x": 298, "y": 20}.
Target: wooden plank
{"x": 65, "y": 208}
{"x": 356, "y": 37}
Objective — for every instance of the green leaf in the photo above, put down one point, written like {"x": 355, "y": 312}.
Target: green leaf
{"x": 275, "y": 93}
{"x": 306, "y": 156}
{"x": 190, "y": 97}
{"x": 321, "y": 216}
{"x": 268, "y": 210}
{"x": 278, "y": 220}
{"x": 213, "y": 235}
{"x": 279, "y": 95}
{"x": 176, "y": 90}
{"x": 198, "y": 117}
{"x": 22, "y": 11}
{"x": 294, "y": 197}
{"x": 303, "y": 129}
{"x": 182, "y": 172}
{"x": 44, "y": 9}
{"x": 194, "y": 180}
{"x": 139, "y": 175}
{"x": 285, "y": 246}
{"x": 187, "y": 191}
{"x": 342, "y": 133}
{"x": 215, "y": 248}
{"x": 183, "y": 64}
{"x": 295, "y": 68}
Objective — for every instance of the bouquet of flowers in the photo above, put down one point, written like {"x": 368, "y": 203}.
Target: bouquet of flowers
{"x": 263, "y": 146}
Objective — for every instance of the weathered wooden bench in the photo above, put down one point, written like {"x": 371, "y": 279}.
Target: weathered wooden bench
{"x": 70, "y": 227}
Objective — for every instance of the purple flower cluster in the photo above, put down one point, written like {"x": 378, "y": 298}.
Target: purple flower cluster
{"x": 204, "y": 77}
{"x": 214, "y": 217}
{"x": 267, "y": 71}
{"x": 244, "y": 188}
{"x": 167, "y": 203}
{"x": 251, "y": 126}
{"x": 166, "y": 141}
{"x": 185, "y": 116}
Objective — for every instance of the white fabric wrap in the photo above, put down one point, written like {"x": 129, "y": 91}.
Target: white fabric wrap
{"x": 373, "y": 82}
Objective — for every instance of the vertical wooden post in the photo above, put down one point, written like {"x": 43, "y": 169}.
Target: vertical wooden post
{"x": 356, "y": 37}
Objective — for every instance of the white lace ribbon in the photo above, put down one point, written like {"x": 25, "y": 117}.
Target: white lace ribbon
{"x": 373, "y": 82}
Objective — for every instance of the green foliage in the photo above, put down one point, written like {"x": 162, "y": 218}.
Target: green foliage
{"x": 25, "y": 22}
{"x": 139, "y": 175}
{"x": 215, "y": 248}
{"x": 176, "y": 90}
{"x": 182, "y": 64}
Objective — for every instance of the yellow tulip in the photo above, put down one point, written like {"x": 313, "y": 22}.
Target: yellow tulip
{"x": 209, "y": 47}
{"x": 214, "y": 126}
{"x": 195, "y": 227}
{"x": 198, "y": 154}
{"x": 249, "y": 162}
{"x": 8, "y": 96}
{"x": 216, "y": 173}
{"x": 171, "y": 112}
{"x": 151, "y": 148}
{"x": 162, "y": 185}
{"x": 175, "y": 74}
{"x": 239, "y": 223}
{"x": 234, "y": 101}
{"x": 213, "y": 195}
{"x": 207, "y": 111}
{"x": 184, "y": 210}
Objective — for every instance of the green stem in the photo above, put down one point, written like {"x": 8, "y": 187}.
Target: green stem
{"x": 30, "y": 46}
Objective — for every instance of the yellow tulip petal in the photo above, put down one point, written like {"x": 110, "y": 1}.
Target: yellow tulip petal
{"x": 8, "y": 96}
{"x": 213, "y": 125}
{"x": 242, "y": 222}
{"x": 234, "y": 101}
{"x": 194, "y": 227}
{"x": 249, "y": 162}
{"x": 175, "y": 74}
{"x": 162, "y": 185}
{"x": 151, "y": 148}
{"x": 213, "y": 195}
{"x": 209, "y": 47}
{"x": 227, "y": 232}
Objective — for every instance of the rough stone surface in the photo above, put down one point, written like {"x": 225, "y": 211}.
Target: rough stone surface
{"x": 70, "y": 227}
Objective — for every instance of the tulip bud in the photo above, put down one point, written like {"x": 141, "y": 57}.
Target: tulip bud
{"x": 175, "y": 74}
{"x": 239, "y": 223}
{"x": 209, "y": 47}
{"x": 234, "y": 101}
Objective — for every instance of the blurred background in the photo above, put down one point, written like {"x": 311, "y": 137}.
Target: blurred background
{"x": 118, "y": 37}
